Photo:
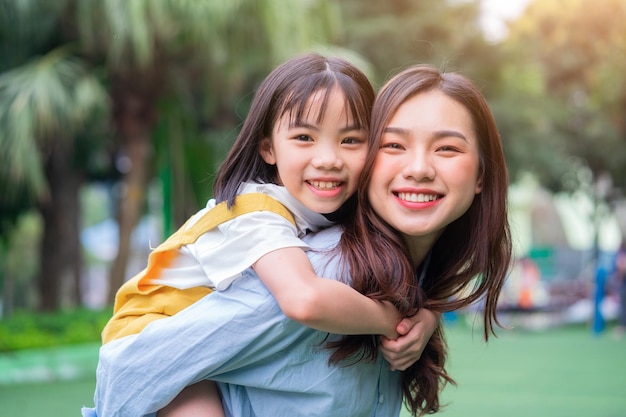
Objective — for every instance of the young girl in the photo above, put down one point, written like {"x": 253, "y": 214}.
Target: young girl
{"x": 303, "y": 144}
{"x": 433, "y": 217}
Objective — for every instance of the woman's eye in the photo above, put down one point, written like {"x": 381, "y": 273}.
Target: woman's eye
{"x": 447, "y": 149}
{"x": 391, "y": 145}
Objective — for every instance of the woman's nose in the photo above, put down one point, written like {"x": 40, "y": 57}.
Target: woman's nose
{"x": 419, "y": 167}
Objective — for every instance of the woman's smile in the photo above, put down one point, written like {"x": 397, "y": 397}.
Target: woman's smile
{"x": 426, "y": 171}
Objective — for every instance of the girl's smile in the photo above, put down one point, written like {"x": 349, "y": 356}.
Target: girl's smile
{"x": 325, "y": 189}
{"x": 319, "y": 159}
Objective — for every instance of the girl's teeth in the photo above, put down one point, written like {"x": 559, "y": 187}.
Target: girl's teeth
{"x": 325, "y": 185}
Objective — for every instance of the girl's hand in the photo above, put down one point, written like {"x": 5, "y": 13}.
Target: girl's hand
{"x": 415, "y": 331}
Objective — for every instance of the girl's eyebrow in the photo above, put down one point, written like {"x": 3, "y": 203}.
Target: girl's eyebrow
{"x": 438, "y": 134}
{"x": 348, "y": 128}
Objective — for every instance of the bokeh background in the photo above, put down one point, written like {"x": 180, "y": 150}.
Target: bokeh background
{"x": 114, "y": 116}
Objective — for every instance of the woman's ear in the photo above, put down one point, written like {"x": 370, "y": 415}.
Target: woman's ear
{"x": 479, "y": 184}
{"x": 266, "y": 151}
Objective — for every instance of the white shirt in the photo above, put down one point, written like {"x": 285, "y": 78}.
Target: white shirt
{"x": 220, "y": 255}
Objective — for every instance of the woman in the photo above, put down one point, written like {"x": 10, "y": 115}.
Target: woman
{"x": 436, "y": 190}
{"x": 432, "y": 231}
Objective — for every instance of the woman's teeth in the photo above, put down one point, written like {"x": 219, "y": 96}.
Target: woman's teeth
{"x": 417, "y": 198}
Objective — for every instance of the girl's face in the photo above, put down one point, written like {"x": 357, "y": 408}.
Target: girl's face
{"x": 426, "y": 172}
{"x": 318, "y": 161}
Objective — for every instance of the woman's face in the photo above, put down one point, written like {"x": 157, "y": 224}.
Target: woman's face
{"x": 426, "y": 172}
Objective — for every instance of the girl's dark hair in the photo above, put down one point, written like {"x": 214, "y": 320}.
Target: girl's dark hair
{"x": 468, "y": 262}
{"x": 287, "y": 89}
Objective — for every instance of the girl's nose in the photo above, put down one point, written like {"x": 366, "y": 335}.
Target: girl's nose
{"x": 327, "y": 157}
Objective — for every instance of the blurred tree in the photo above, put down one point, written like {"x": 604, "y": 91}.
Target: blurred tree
{"x": 397, "y": 33}
{"x": 48, "y": 97}
{"x": 204, "y": 53}
{"x": 574, "y": 54}
{"x": 565, "y": 66}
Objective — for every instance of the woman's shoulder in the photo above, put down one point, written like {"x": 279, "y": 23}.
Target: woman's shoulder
{"x": 325, "y": 256}
{"x": 324, "y": 239}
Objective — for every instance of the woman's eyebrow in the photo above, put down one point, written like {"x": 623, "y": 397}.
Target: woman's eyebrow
{"x": 396, "y": 131}
{"x": 437, "y": 134}
{"x": 448, "y": 133}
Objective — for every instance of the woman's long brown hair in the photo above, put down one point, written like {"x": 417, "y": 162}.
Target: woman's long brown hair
{"x": 468, "y": 263}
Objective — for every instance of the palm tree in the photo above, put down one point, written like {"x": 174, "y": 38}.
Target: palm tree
{"x": 47, "y": 98}
{"x": 201, "y": 51}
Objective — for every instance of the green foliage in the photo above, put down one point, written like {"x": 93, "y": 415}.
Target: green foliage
{"x": 20, "y": 262}
{"x": 397, "y": 33}
{"x": 27, "y": 28}
{"x": 47, "y": 95}
{"x": 565, "y": 65}
{"x": 31, "y": 330}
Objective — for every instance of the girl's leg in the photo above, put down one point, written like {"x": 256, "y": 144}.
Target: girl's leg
{"x": 201, "y": 400}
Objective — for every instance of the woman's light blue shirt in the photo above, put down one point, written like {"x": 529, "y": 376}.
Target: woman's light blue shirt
{"x": 266, "y": 365}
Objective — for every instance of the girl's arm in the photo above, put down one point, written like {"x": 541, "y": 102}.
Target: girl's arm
{"x": 320, "y": 303}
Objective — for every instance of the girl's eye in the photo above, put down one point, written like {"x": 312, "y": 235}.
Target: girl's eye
{"x": 304, "y": 138}
{"x": 352, "y": 140}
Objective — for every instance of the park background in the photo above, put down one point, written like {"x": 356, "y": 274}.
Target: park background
{"x": 114, "y": 115}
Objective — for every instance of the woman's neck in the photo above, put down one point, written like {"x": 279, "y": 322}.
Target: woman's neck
{"x": 419, "y": 247}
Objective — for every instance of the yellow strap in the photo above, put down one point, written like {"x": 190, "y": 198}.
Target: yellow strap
{"x": 163, "y": 255}
{"x": 138, "y": 302}
{"x": 244, "y": 204}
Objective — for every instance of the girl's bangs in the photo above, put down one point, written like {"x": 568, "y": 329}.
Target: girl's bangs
{"x": 296, "y": 101}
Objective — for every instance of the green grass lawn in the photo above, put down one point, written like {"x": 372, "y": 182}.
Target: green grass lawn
{"x": 564, "y": 372}
{"x": 52, "y": 399}
{"x": 559, "y": 372}
{"x": 69, "y": 373}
